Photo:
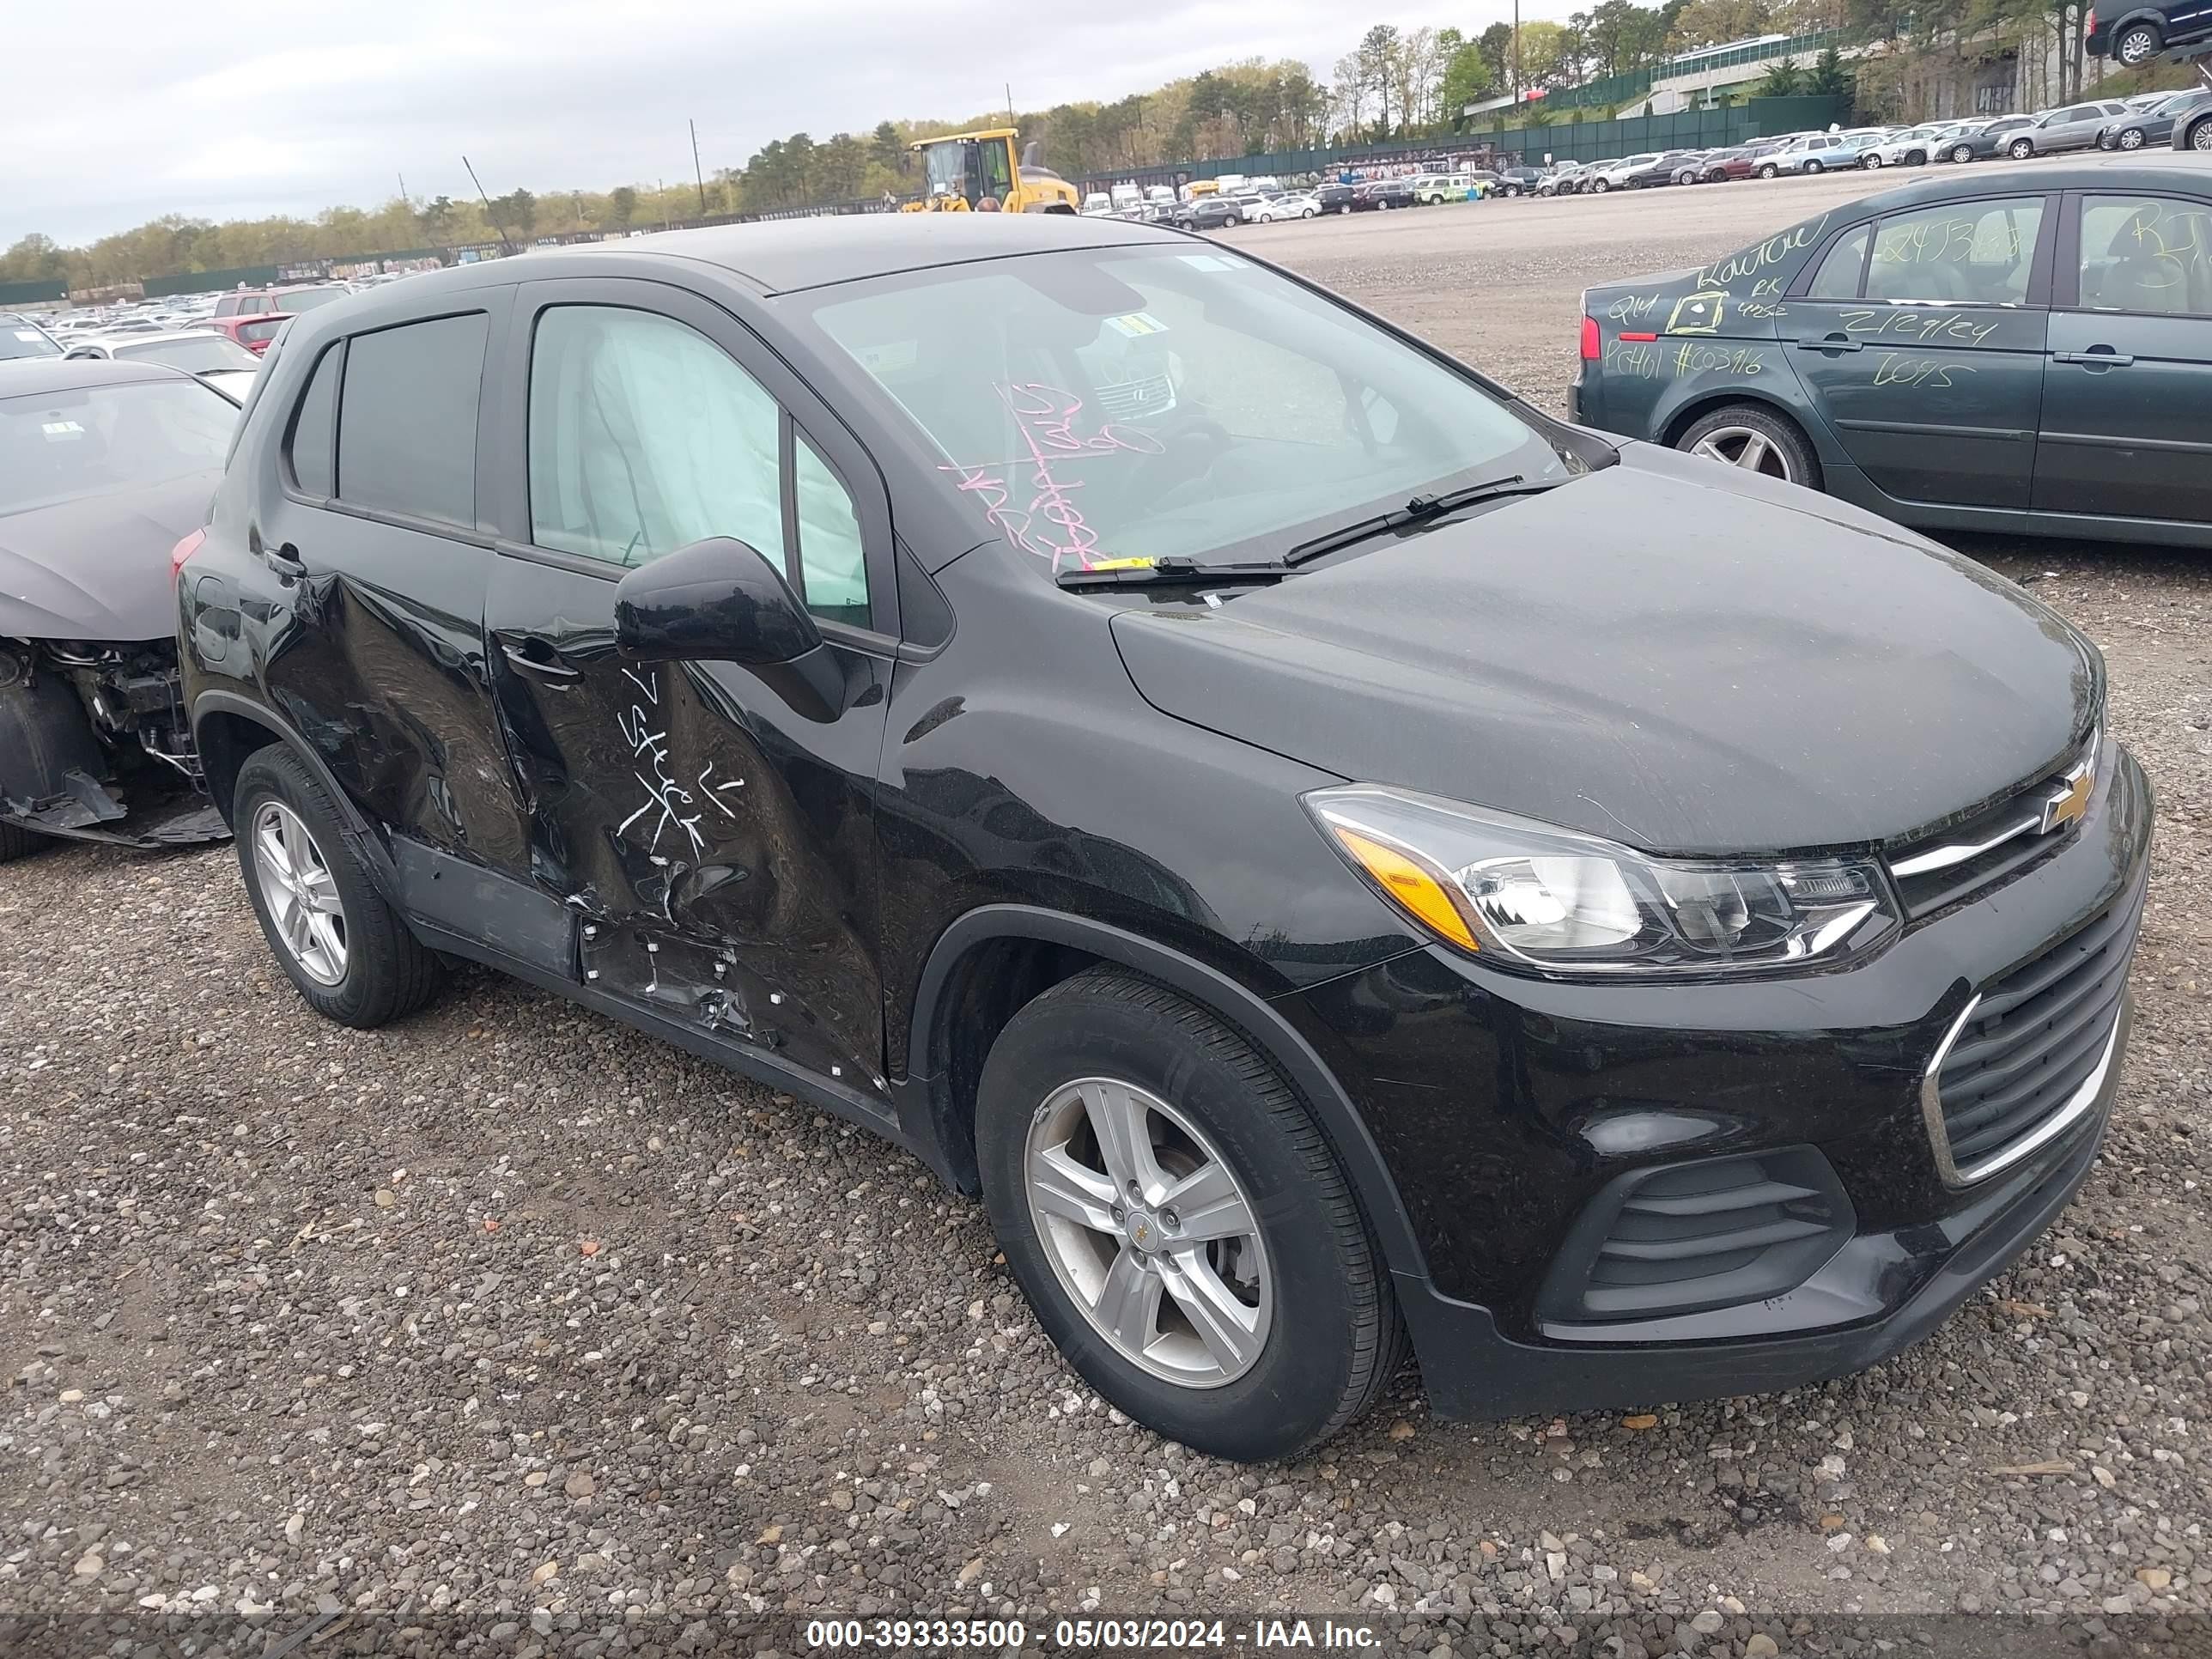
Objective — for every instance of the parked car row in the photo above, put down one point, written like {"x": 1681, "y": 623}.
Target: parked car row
{"x": 2183, "y": 119}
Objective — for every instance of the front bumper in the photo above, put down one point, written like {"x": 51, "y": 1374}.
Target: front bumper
{"x": 1509, "y": 1109}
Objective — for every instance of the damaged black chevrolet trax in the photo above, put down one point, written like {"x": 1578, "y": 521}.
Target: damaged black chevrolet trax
{"x": 1339, "y": 861}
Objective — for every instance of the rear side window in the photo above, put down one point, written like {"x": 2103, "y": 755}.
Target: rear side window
{"x": 407, "y": 419}
{"x": 1966, "y": 253}
{"x": 2147, "y": 255}
{"x": 314, "y": 427}
{"x": 262, "y": 331}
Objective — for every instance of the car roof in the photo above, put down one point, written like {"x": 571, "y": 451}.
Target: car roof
{"x": 2156, "y": 171}
{"x": 28, "y": 377}
{"x": 787, "y": 254}
{"x": 163, "y": 337}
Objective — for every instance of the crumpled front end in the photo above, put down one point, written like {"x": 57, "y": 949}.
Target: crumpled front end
{"x": 94, "y": 745}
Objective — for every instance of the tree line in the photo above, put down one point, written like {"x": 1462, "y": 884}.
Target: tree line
{"x": 1409, "y": 84}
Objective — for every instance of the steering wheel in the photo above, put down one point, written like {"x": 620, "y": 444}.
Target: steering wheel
{"x": 1188, "y": 452}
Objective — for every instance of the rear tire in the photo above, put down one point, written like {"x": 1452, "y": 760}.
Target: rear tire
{"x": 1735, "y": 428}
{"x": 382, "y": 971}
{"x": 17, "y": 843}
{"x": 2138, "y": 43}
{"x": 1316, "y": 1334}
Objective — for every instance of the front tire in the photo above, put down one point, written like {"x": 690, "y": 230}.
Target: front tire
{"x": 344, "y": 949}
{"x": 2019, "y": 149}
{"x": 1962, "y": 155}
{"x": 1869, "y": 161}
{"x": 1178, "y": 1222}
{"x": 2200, "y": 135}
{"x": 1750, "y": 437}
{"x": 2138, "y": 43}
{"x": 1768, "y": 170}
{"x": 1599, "y": 186}
{"x": 17, "y": 843}
{"x": 1812, "y": 168}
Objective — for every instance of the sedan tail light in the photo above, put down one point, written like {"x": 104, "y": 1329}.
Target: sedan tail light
{"x": 1592, "y": 350}
{"x": 183, "y": 550}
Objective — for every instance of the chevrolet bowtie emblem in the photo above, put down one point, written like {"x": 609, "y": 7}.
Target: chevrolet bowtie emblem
{"x": 2068, "y": 803}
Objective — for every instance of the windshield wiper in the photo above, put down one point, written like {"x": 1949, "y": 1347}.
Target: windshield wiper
{"x": 1419, "y": 510}
{"x": 1176, "y": 568}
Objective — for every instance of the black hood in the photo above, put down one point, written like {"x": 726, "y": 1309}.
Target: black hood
{"x": 1666, "y": 653}
{"x": 98, "y": 567}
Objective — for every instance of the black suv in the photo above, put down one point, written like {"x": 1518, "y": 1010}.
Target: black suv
{"x": 1335, "y": 198}
{"x": 2134, "y": 35}
{"x": 1336, "y": 857}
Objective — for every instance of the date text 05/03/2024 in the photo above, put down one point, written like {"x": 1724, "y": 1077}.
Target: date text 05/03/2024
{"x": 1091, "y": 1634}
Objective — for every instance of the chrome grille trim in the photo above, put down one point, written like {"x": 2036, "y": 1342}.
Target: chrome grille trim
{"x": 2077, "y": 1105}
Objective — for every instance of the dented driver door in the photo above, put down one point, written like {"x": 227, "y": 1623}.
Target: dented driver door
{"x": 710, "y": 826}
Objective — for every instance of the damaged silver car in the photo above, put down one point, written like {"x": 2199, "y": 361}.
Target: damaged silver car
{"x": 104, "y": 467}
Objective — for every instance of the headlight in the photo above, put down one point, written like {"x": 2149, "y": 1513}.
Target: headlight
{"x": 1526, "y": 895}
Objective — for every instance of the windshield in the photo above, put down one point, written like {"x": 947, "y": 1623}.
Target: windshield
{"x": 1100, "y": 405}
{"x": 85, "y": 441}
{"x": 20, "y": 339}
{"x": 306, "y": 298}
{"x": 946, "y": 167}
{"x": 195, "y": 356}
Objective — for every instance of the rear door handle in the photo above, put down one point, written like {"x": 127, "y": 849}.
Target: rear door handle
{"x": 2095, "y": 357}
{"x": 1832, "y": 343}
{"x": 521, "y": 658}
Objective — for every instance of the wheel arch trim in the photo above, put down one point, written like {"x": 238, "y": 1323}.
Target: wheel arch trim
{"x": 361, "y": 838}
{"x": 1254, "y": 1016}
{"x": 1671, "y": 422}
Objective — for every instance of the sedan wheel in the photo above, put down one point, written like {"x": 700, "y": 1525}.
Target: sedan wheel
{"x": 2200, "y": 135}
{"x": 2132, "y": 138}
{"x": 1599, "y": 186}
{"x": 301, "y": 895}
{"x": 1739, "y": 446}
{"x": 1871, "y": 161}
{"x": 1962, "y": 155}
{"x": 2020, "y": 149}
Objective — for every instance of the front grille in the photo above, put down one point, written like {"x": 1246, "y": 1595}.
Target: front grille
{"x": 2016, "y": 1067}
{"x": 1689, "y": 1236}
{"x": 1985, "y": 851}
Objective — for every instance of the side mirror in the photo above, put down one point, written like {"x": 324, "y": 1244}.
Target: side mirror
{"x": 717, "y": 600}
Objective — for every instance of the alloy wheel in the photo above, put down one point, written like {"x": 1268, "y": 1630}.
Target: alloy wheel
{"x": 1814, "y": 167}
{"x": 2137, "y": 46}
{"x": 2020, "y": 150}
{"x": 2132, "y": 138}
{"x": 1149, "y": 1231}
{"x": 302, "y": 896}
{"x": 2200, "y": 135}
{"x": 1746, "y": 447}
{"x": 1962, "y": 155}
{"x": 1871, "y": 161}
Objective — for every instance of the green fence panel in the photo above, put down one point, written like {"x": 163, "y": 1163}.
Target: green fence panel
{"x": 30, "y": 294}
{"x": 1691, "y": 129}
{"x": 204, "y": 282}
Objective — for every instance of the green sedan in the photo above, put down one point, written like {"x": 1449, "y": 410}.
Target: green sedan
{"x": 1980, "y": 351}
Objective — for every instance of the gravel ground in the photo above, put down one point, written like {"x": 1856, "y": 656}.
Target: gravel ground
{"x": 512, "y": 1331}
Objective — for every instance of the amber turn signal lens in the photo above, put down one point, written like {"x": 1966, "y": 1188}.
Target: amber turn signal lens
{"x": 1408, "y": 882}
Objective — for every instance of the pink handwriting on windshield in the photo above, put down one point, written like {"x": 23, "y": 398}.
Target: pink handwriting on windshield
{"x": 1046, "y": 420}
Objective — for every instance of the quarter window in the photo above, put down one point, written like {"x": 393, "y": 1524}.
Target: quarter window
{"x": 2146, "y": 254}
{"x": 1967, "y": 252}
{"x": 833, "y": 568}
{"x": 407, "y": 419}
{"x": 314, "y": 426}
{"x": 1839, "y": 273}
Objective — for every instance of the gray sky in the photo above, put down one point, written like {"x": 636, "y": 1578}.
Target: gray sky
{"x": 226, "y": 110}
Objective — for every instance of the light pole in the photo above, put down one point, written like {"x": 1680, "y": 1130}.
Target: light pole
{"x": 1516, "y": 51}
